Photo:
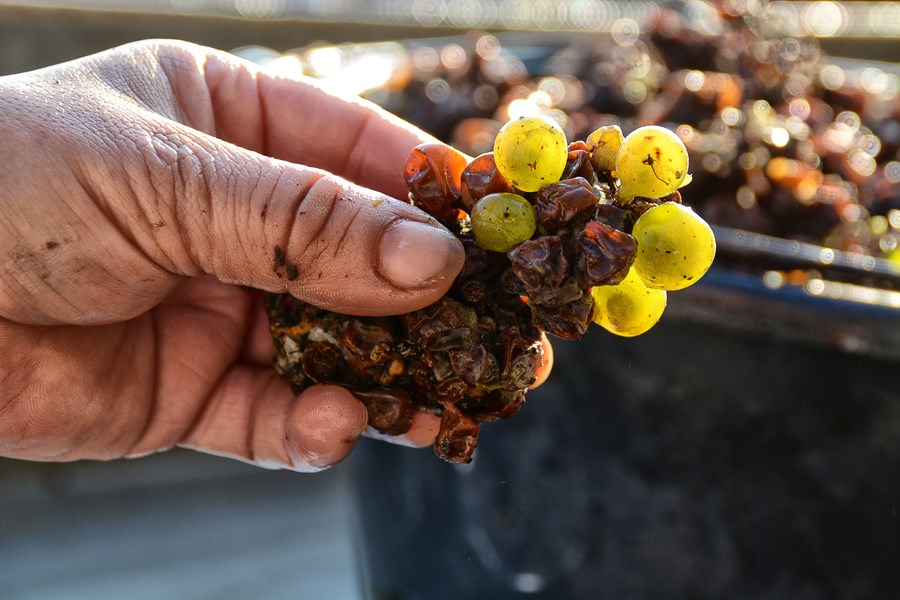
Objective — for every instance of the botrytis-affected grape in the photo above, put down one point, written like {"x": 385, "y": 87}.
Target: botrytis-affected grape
{"x": 531, "y": 152}
{"x": 550, "y": 245}
{"x": 652, "y": 163}
{"x": 675, "y": 246}
{"x": 604, "y": 144}
{"x": 629, "y": 308}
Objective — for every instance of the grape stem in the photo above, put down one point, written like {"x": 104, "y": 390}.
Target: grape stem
{"x": 649, "y": 162}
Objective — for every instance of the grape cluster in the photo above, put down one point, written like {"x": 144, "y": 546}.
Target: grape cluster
{"x": 556, "y": 236}
{"x": 608, "y": 218}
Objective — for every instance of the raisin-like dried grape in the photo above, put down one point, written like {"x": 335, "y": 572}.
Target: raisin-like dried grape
{"x": 390, "y": 411}
{"x": 559, "y": 203}
{"x": 578, "y": 164}
{"x": 541, "y": 266}
{"x": 604, "y": 255}
{"x": 457, "y": 436}
{"x": 432, "y": 174}
{"x": 480, "y": 178}
{"x": 569, "y": 321}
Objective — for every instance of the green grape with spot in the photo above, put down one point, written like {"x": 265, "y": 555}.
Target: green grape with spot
{"x": 652, "y": 162}
{"x": 628, "y": 308}
{"x": 531, "y": 152}
{"x": 502, "y": 221}
{"x": 675, "y": 246}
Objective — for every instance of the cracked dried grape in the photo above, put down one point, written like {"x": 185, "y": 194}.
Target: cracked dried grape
{"x": 604, "y": 144}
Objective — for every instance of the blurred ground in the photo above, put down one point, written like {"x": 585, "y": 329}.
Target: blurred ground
{"x": 177, "y": 525}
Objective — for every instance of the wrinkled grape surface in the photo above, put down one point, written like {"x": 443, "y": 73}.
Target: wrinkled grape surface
{"x": 532, "y": 260}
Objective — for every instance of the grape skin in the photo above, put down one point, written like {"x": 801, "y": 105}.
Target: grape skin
{"x": 531, "y": 152}
{"x": 605, "y": 143}
{"x": 480, "y": 178}
{"x": 629, "y": 308}
{"x": 675, "y": 247}
{"x": 652, "y": 163}
{"x": 502, "y": 221}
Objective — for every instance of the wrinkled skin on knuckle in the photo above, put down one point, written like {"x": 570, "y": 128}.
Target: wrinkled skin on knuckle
{"x": 333, "y": 240}
{"x": 317, "y": 213}
{"x": 156, "y": 75}
{"x": 196, "y": 192}
{"x": 122, "y": 133}
{"x": 168, "y": 77}
{"x": 179, "y": 174}
{"x": 209, "y": 194}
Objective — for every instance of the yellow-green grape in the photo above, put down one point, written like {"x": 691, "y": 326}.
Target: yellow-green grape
{"x": 531, "y": 152}
{"x": 628, "y": 308}
{"x": 652, "y": 163}
{"x": 604, "y": 144}
{"x": 675, "y": 246}
{"x": 502, "y": 221}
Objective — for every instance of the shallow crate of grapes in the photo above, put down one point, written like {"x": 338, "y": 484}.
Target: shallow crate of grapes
{"x": 746, "y": 446}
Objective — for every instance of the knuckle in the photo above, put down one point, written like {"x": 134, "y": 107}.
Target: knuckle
{"x": 169, "y": 158}
{"x": 182, "y": 177}
{"x": 323, "y": 222}
{"x": 161, "y": 45}
{"x": 162, "y": 48}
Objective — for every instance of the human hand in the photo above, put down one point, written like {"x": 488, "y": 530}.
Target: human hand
{"x": 138, "y": 199}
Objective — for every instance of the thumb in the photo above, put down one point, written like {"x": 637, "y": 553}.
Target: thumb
{"x": 252, "y": 220}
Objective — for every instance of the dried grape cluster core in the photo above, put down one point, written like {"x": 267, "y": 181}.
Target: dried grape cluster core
{"x": 551, "y": 257}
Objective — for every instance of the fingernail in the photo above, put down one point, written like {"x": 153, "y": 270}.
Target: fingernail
{"x": 417, "y": 255}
